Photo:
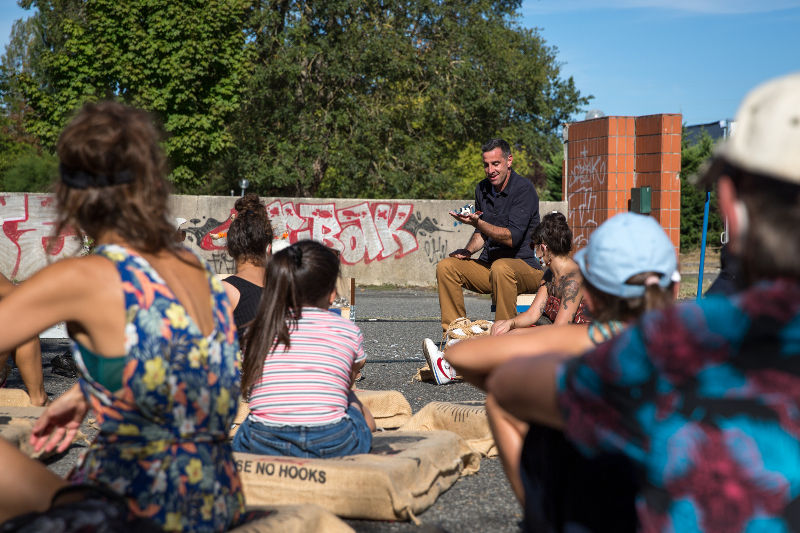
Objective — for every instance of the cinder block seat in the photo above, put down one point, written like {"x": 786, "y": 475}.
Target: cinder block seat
{"x": 524, "y": 301}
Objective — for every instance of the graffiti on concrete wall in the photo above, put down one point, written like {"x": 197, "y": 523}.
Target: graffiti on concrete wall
{"x": 26, "y": 241}
{"x": 429, "y": 233}
{"x": 365, "y": 232}
{"x": 583, "y": 182}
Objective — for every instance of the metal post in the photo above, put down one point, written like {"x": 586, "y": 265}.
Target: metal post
{"x": 353, "y": 299}
{"x": 703, "y": 247}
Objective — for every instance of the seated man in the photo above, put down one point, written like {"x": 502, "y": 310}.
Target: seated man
{"x": 506, "y": 213}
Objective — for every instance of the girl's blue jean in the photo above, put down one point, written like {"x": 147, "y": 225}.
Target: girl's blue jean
{"x": 348, "y": 436}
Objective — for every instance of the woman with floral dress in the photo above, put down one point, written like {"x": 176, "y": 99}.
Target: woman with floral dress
{"x": 154, "y": 340}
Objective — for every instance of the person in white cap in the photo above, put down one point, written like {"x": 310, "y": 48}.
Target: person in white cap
{"x": 703, "y": 397}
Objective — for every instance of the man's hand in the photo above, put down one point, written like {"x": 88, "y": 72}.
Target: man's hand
{"x": 471, "y": 219}
{"x": 461, "y": 253}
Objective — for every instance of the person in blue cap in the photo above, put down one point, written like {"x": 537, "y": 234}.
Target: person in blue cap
{"x": 634, "y": 262}
{"x": 703, "y": 397}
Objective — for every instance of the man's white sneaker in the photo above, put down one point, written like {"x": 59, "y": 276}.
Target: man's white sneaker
{"x": 442, "y": 371}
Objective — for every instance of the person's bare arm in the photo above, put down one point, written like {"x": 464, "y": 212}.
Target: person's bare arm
{"x": 232, "y": 292}
{"x": 496, "y": 233}
{"x": 526, "y": 318}
{"x": 5, "y": 286}
{"x": 81, "y": 290}
{"x": 356, "y": 368}
{"x": 526, "y": 388}
{"x": 476, "y": 358}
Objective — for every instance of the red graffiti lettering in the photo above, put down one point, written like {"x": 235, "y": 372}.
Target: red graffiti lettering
{"x": 29, "y": 234}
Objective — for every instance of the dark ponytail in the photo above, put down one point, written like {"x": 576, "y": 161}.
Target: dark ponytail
{"x": 304, "y": 274}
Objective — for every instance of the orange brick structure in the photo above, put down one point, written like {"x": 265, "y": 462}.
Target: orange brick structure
{"x": 605, "y": 157}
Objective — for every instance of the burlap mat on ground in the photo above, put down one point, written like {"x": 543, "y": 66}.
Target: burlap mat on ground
{"x": 294, "y": 519}
{"x": 466, "y": 419}
{"x": 401, "y": 477}
{"x": 14, "y": 398}
{"x": 16, "y": 424}
{"x": 389, "y": 408}
{"x": 458, "y": 330}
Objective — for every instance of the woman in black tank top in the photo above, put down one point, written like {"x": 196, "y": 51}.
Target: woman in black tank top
{"x": 249, "y": 243}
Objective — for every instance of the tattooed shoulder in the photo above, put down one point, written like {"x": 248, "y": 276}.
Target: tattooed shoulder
{"x": 568, "y": 288}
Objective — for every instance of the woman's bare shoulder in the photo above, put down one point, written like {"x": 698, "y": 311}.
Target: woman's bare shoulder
{"x": 90, "y": 270}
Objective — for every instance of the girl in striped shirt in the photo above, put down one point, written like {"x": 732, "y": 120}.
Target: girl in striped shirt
{"x": 300, "y": 360}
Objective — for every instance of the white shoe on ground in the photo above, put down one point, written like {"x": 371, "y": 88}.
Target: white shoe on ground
{"x": 442, "y": 371}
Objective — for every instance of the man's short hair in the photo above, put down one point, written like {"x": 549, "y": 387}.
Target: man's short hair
{"x": 496, "y": 143}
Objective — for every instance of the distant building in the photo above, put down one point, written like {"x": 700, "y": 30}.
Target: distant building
{"x": 716, "y": 130}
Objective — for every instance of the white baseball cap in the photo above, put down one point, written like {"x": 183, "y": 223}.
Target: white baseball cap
{"x": 767, "y": 138}
{"x": 623, "y": 246}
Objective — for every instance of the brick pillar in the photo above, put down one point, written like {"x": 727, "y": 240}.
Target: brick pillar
{"x": 658, "y": 164}
{"x": 606, "y": 157}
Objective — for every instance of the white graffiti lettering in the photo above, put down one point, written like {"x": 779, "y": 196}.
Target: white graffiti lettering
{"x": 585, "y": 178}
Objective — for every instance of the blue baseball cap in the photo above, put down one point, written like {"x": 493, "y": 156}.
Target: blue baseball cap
{"x": 623, "y": 246}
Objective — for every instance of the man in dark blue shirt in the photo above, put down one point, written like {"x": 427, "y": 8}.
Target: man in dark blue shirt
{"x": 506, "y": 213}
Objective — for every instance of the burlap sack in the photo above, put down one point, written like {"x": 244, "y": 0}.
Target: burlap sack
{"x": 466, "y": 419}
{"x": 401, "y": 477}
{"x": 16, "y": 424}
{"x": 14, "y": 398}
{"x": 389, "y": 408}
{"x": 294, "y": 519}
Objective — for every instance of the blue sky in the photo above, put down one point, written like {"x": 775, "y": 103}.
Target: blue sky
{"x": 639, "y": 57}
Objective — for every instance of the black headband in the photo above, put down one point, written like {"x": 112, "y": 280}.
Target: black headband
{"x": 80, "y": 179}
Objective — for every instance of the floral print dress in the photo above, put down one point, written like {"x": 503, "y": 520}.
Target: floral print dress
{"x": 162, "y": 441}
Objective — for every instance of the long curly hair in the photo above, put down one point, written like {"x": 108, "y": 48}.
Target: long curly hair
{"x": 111, "y": 139}
{"x": 250, "y": 233}
{"x": 553, "y": 231}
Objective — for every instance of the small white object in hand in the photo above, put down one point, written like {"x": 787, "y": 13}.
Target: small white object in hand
{"x": 466, "y": 210}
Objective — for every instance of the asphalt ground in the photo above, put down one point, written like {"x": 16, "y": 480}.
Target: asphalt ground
{"x": 394, "y": 322}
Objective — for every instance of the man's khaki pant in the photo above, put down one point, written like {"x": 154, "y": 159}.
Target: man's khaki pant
{"x": 504, "y": 279}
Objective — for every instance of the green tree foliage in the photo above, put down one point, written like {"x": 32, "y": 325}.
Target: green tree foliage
{"x": 184, "y": 61}
{"x": 387, "y": 98}
{"x": 552, "y": 188}
{"x": 30, "y": 171}
{"x": 693, "y": 199}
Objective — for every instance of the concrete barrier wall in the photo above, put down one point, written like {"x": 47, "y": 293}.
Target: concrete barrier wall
{"x": 394, "y": 242}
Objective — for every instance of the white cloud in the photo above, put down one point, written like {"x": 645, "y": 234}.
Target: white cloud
{"x": 530, "y": 7}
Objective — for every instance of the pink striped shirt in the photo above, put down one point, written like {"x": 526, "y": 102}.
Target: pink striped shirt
{"x": 308, "y": 384}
